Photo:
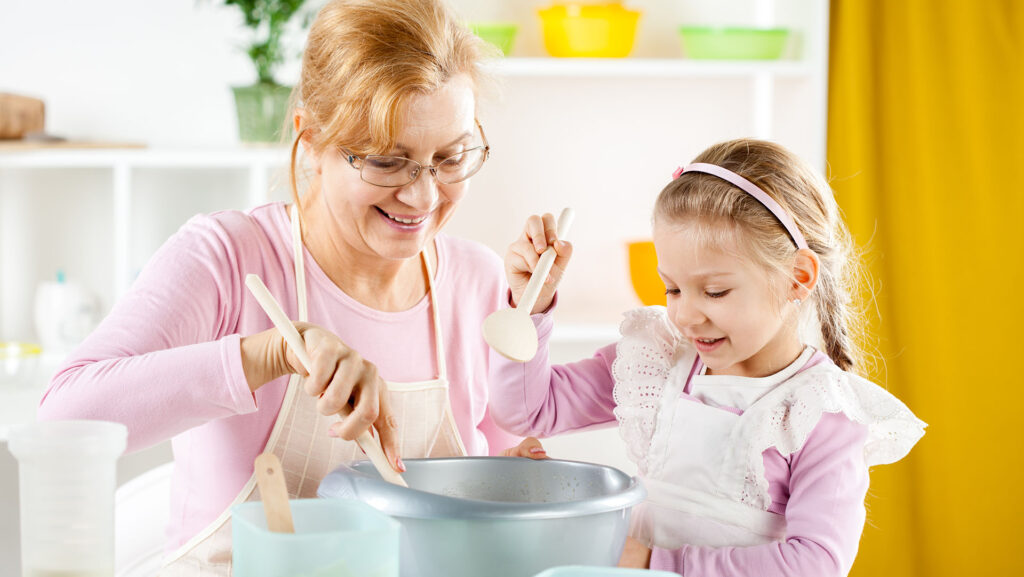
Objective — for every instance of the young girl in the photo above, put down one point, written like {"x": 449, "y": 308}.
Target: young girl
{"x": 754, "y": 446}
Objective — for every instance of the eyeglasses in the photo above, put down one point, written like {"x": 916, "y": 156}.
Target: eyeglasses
{"x": 395, "y": 171}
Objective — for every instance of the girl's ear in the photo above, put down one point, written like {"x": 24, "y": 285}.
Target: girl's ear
{"x": 306, "y": 139}
{"x": 805, "y": 274}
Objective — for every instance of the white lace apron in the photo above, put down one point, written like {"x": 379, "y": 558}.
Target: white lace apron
{"x": 703, "y": 465}
{"x": 426, "y": 428}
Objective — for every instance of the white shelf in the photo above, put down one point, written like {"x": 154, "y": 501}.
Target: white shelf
{"x": 648, "y": 67}
{"x": 127, "y": 167}
{"x": 242, "y": 157}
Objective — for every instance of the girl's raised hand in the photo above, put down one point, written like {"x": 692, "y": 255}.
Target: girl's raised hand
{"x": 529, "y": 448}
{"x": 521, "y": 259}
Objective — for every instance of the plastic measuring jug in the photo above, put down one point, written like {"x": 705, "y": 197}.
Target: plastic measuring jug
{"x": 67, "y": 475}
{"x": 332, "y": 538}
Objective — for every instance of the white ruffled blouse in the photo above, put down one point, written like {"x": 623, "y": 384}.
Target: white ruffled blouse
{"x": 653, "y": 364}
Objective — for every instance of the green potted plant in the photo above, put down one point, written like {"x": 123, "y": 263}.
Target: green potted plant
{"x": 262, "y": 106}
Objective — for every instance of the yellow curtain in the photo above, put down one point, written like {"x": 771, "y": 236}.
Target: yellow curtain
{"x": 926, "y": 155}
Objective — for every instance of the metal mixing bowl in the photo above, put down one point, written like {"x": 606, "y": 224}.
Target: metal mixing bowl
{"x": 497, "y": 516}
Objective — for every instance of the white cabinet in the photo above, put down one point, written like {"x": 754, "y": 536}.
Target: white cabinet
{"x": 98, "y": 215}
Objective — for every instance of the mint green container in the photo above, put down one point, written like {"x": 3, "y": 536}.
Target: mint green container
{"x": 583, "y": 571}
{"x": 703, "y": 42}
{"x": 500, "y": 34}
{"x": 333, "y": 538}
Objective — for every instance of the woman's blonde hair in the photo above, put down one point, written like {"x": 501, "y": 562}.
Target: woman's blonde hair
{"x": 363, "y": 61}
{"x": 802, "y": 192}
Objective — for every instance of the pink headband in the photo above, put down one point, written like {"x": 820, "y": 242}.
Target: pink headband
{"x": 751, "y": 189}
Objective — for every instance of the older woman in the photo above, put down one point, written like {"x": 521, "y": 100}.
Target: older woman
{"x": 388, "y": 135}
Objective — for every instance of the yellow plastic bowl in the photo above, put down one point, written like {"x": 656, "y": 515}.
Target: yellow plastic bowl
{"x": 575, "y": 30}
{"x": 18, "y": 363}
{"x": 643, "y": 273}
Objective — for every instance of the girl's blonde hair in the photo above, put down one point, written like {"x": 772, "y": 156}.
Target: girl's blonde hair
{"x": 364, "y": 60}
{"x": 802, "y": 192}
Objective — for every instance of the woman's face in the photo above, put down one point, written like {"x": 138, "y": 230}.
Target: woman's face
{"x": 397, "y": 222}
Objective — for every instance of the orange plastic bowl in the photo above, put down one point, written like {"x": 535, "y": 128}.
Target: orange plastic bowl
{"x": 643, "y": 273}
{"x": 576, "y": 30}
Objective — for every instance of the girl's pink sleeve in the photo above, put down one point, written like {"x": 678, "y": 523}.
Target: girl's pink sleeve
{"x": 166, "y": 358}
{"x": 538, "y": 399}
{"x": 824, "y": 516}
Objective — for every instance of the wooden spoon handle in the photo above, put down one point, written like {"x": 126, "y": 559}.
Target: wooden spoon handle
{"x": 284, "y": 325}
{"x": 274, "y": 492}
{"x": 547, "y": 259}
{"x": 367, "y": 442}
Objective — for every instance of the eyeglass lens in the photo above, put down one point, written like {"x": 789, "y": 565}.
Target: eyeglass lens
{"x": 399, "y": 171}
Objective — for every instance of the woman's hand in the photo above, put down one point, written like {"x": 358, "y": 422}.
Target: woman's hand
{"x": 635, "y": 555}
{"x": 529, "y": 448}
{"x": 522, "y": 256}
{"x": 339, "y": 377}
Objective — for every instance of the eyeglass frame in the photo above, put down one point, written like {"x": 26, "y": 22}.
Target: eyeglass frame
{"x": 432, "y": 168}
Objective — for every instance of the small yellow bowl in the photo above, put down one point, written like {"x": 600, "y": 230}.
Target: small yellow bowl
{"x": 643, "y": 273}
{"x": 577, "y": 30}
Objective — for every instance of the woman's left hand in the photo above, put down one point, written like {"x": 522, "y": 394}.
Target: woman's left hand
{"x": 635, "y": 555}
{"x": 529, "y": 448}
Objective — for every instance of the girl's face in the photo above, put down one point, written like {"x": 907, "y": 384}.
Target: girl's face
{"x": 726, "y": 305}
{"x": 397, "y": 222}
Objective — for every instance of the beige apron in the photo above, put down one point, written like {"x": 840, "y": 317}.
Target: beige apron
{"x": 426, "y": 428}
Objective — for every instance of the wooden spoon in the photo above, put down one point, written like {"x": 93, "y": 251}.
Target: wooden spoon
{"x": 511, "y": 331}
{"x": 274, "y": 492}
{"x": 367, "y": 442}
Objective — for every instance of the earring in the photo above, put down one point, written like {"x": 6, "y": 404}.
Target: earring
{"x": 796, "y": 302}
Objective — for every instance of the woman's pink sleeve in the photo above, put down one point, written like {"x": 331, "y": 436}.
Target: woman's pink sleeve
{"x": 539, "y": 399}
{"x": 824, "y": 516}
{"x": 166, "y": 358}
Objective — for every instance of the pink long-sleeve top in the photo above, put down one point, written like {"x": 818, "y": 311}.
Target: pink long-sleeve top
{"x": 166, "y": 361}
{"x": 820, "y": 488}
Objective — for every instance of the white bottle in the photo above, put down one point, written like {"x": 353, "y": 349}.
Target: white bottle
{"x": 65, "y": 313}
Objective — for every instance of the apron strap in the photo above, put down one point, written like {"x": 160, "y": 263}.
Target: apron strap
{"x": 300, "y": 268}
{"x": 438, "y": 340}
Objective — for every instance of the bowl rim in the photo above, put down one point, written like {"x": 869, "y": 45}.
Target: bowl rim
{"x": 723, "y": 30}
{"x": 492, "y": 26}
{"x": 397, "y": 501}
{"x": 587, "y": 10}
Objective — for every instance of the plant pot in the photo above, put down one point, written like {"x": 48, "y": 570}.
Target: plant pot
{"x": 261, "y": 111}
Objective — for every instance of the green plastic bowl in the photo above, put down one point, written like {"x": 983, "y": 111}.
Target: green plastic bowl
{"x": 500, "y": 34}
{"x": 704, "y": 42}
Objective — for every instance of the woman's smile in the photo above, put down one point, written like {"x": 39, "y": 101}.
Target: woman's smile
{"x": 404, "y": 222}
